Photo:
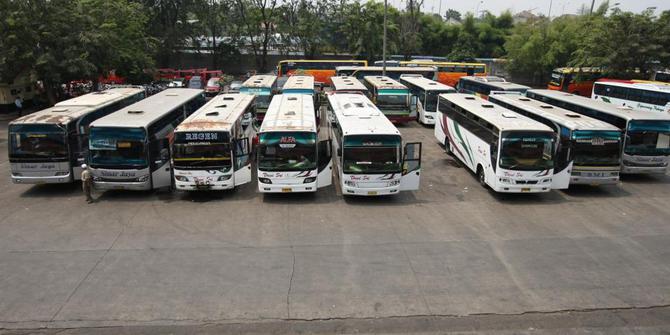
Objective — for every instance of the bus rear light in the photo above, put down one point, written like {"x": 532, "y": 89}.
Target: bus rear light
{"x": 224, "y": 178}
{"x": 309, "y": 180}
{"x": 265, "y": 180}
{"x": 181, "y": 178}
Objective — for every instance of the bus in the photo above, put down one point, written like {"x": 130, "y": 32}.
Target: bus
{"x": 361, "y": 72}
{"x": 130, "y": 148}
{"x": 292, "y": 155}
{"x": 643, "y": 95}
{"x": 646, "y": 144}
{"x": 263, "y": 87}
{"x": 391, "y": 97}
{"x": 507, "y": 151}
{"x": 371, "y": 159}
{"x": 425, "y": 93}
{"x": 483, "y": 86}
{"x": 575, "y": 80}
{"x": 588, "y": 151}
{"x": 321, "y": 70}
{"x": 449, "y": 73}
{"x": 50, "y": 146}
{"x": 300, "y": 84}
{"x": 348, "y": 85}
{"x": 210, "y": 149}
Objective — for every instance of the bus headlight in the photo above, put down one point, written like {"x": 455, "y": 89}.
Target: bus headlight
{"x": 61, "y": 173}
{"x": 394, "y": 182}
{"x": 181, "y": 178}
{"x": 309, "y": 180}
{"x": 350, "y": 183}
{"x": 143, "y": 178}
{"x": 548, "y": 180}
{"x": 505, "y": 180}
{"x": 96, "y": 178}
{"x": 224, "y": 178}
{"x": 17, "y": 174}
{"x": 265, "y": 180}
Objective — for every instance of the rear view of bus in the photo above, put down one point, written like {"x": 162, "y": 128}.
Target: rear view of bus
{"x": 130, "y": 149}
{"x": 507, "y": 151}
{"x": 391, "y": 97}
{"x": 263, "y": 87}
{"x": 50, "y": 145}
{"x": 210, "y": 149}
{"x": 291, "y": 157}
{"x": 346, "y": 84}
{"x": 483, "y": 86}
{"x": 371, "y": 158}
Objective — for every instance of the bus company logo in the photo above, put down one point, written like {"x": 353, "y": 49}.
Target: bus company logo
{"x": 371, "y": 144}
{"x": 288, "y": 140}
{"x": 359, "y": 178}
{"x": 511, "y": 174}
{"x": 597, "y": 141}
{"x": 201, "y": 136}
{"x": 117, "y": 174}
{"x": 38, "y": 166}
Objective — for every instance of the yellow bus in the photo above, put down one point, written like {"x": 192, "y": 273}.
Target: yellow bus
{"x": 321, "y": 70}
{"x": 449, "y": 73}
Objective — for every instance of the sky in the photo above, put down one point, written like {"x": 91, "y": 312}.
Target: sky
{"x": 537, "y": 6}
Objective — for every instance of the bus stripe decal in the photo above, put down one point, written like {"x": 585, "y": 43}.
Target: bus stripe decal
{"x": 460, "y": 137}
{"x": 445, "y": 129}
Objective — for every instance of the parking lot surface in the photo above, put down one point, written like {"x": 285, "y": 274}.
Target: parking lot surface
{"x": 452, "y": 249}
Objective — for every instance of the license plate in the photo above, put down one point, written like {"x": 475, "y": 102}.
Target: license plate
{"x": 596, "y": 175}
{"x": 286, "y": 189}
{"x": 372, "y": 192}
{"x": 526, "y": 189}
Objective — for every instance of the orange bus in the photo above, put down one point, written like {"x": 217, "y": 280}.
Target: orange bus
{"x": 449, "y": 73}
{"x": 575, "y": 80}
{"x": 321, "y": 70}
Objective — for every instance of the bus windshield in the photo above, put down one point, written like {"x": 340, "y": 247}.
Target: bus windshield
{"x": 371, "y": 154}
{"x": 37, "y": 142}
{"x": 527, "y": 151}
{"x": 192, "y": 152}
{"x": 392, "y": 97}
{"x": 287, "y": 151}
{"x": 556, "y": 79}
{"x": 596, "y": 148}
{"x": 431, "y": 100}
{"x": 648, "y": 138}
{"x": 117, "y": 147}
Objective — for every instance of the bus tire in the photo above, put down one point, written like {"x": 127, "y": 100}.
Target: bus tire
{"x": 481, "y": 176}
{"x": 447, "y": 148}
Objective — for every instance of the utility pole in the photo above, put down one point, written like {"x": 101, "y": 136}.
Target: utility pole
{"x": 551, "y": 2}
{"x": 593, "y": 3}
{"x": 384, "y": 42}
{"x": 440, "y": 9}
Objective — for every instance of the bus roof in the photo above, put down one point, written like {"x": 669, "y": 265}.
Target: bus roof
{"x": 566, "y": 70}
{"x": 299, "y": 82}
{"x": 388, "y": 68}
{"x": 290, "y": 112}
{"x": 322, "y": 60}
{"x": 260, "y": 80}
{"x": 427, "y": 84}
{"x": 219, "y": 114}
{"x": 383, "y": 82}
{"x": 145, "y": 112}
{"x": 563, "y": 117}
{"x": 438, "y": 63}
{"x": 347, "y": 84}
{"x": 603, "y": 107}
{"x": 655, "y": 86}
{"x": 357, "y": 115}
{"x": 72, "y": 109}
{"x": 500, "y": 117}
{"x": 496, "y": 82}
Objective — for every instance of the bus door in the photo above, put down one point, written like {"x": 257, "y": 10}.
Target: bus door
{"x": 562, "y": 160}
{"x": 414, "y": 104}
{"x": 159, "y": 155}
{"x": 325, "y": 164}
{"x": 242, "y": 166}
{"x": 411, "y": 167}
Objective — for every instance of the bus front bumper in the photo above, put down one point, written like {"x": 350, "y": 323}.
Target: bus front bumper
{"x": 370, "y": 192}
{"x": 182, "y": 186}
{"x": 523, "y": 188}
{"x": 115, "y": 185}
{"x": 594, "y": 177}
{"x": 429, "y": 118}
{"x": 64, "y": 179}
{"x": 643, "y": 169}
{"x": 644, "y": 165}
{"x": 287, "y": 188}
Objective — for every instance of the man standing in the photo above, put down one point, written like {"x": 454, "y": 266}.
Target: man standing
{"x": 86, "y": 183}
{"x": 19, "y": 105}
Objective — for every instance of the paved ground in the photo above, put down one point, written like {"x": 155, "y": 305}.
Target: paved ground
{"x": 451, "y": 257}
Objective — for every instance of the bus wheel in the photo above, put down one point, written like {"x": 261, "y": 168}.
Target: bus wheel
{"x": 447, "y": 148}
{"x": 481, "y": 176}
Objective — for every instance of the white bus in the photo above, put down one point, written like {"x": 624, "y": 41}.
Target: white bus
{"x": 588, "y": 151}
{"x": 391, "y": 97}
{"x": 130, "y": 149}
{"x": 393, "y": 72}
{"x": 291, "y": 154}
{"x": 483, "y": 86}
{"x": 642, "y": 95}
{"x": 263, "y": 87}
{"x": 49, "y": 146}
{"x": 425, "y": 93}
{"x": 508, "y": 151}
{"x": 210, "y": 149}
{"x": 647, "y": 134}
{"x": 301, "y": 84}
{"x": 371, "y": 159}
{"x": 348, "y": 85}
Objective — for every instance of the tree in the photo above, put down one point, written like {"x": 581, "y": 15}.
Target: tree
{"x": 410, "y": 41}
{"x": 258, "y": 18}
{"x": 452, "y": 14}
{"x": 169, "y": 24}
